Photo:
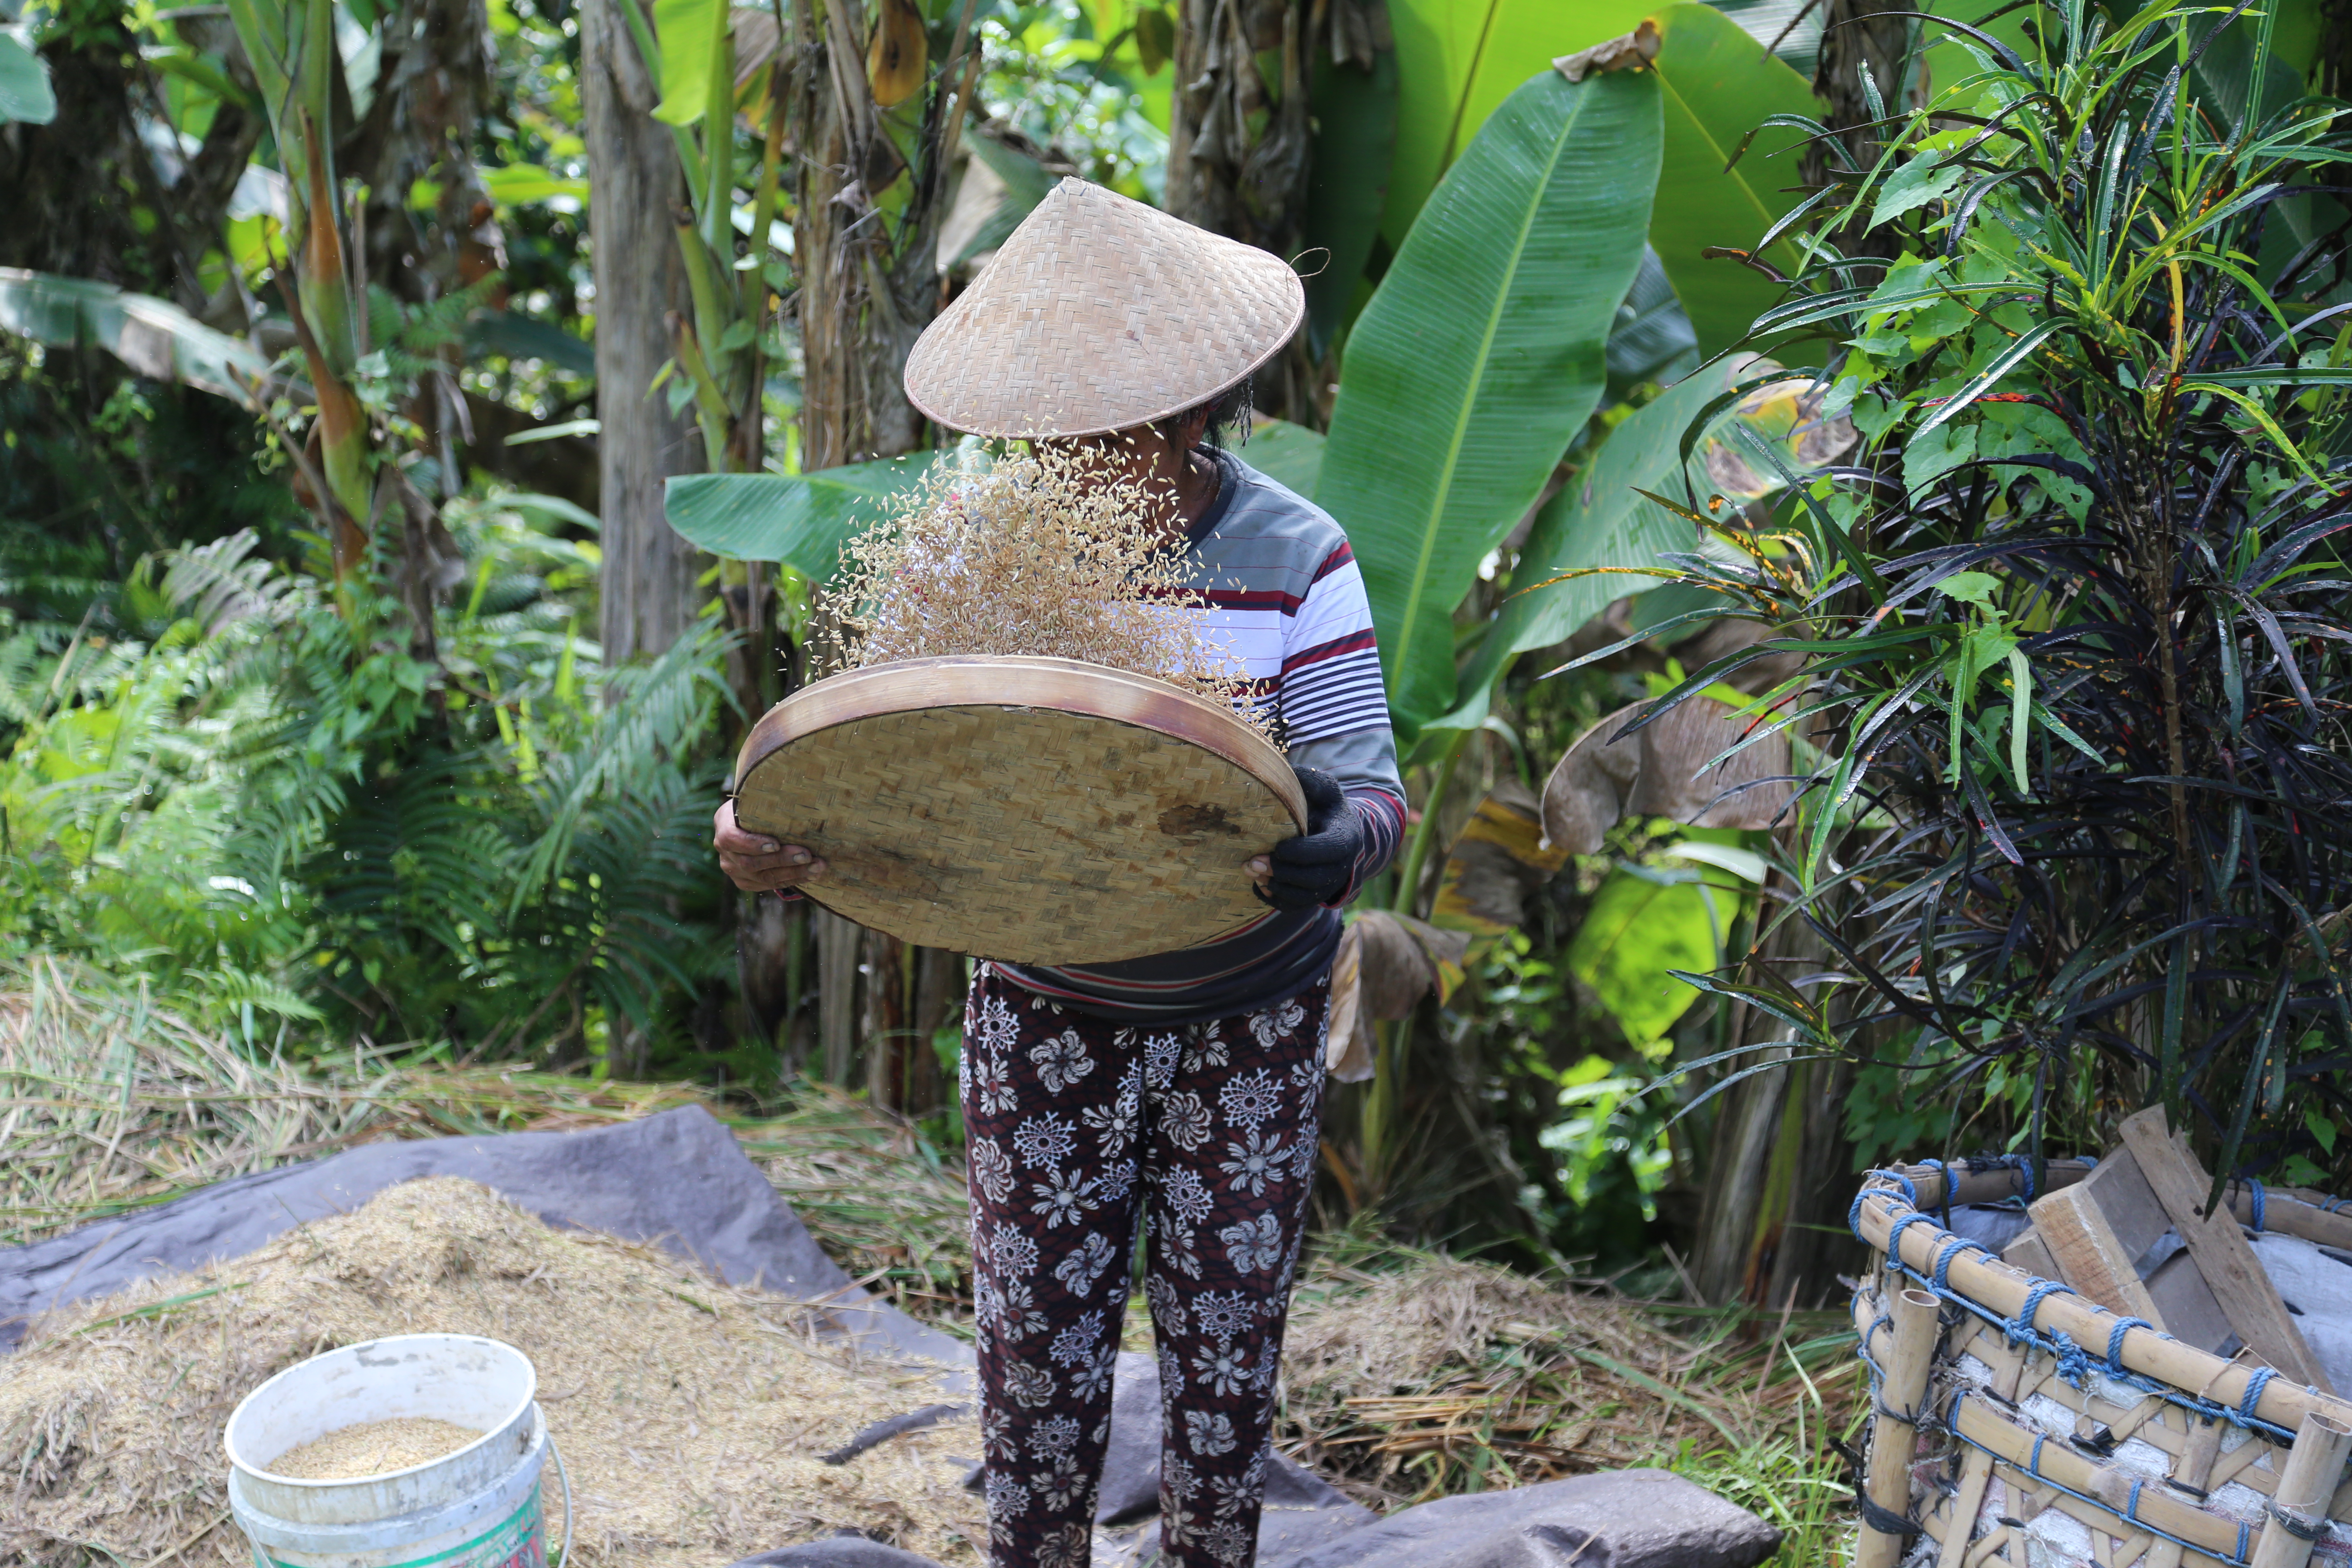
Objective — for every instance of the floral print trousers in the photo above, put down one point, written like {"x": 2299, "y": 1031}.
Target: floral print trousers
{"x": 1077, "y": 1126}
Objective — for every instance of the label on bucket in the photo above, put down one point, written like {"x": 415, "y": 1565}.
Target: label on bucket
{"x": 517, "y": 1541}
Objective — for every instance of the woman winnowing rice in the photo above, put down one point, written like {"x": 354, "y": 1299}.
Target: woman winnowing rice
{"x": 1187, "y": 1085}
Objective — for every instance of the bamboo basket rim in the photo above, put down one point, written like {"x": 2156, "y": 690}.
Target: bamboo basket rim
{"x": 1891, "y": 1203}
{"x": 1067, "y": 685}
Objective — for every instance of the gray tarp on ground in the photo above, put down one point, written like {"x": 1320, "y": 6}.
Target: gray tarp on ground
{"x": 679, "y": 1179}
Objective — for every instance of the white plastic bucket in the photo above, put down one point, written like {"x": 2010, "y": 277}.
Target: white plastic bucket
{"x": 475, "y": 1508}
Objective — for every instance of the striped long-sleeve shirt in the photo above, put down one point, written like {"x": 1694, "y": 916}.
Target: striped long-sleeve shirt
{"x": 1284, "y": 596}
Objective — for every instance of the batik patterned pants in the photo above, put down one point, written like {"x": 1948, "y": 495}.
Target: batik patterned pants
{"x": 1077, "y": 1125}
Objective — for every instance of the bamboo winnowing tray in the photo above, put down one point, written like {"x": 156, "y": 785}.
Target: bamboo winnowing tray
{"x": 1034, "y": 810}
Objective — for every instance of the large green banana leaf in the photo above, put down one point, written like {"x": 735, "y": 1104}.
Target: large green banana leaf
{"x": 154, "y": 337}
{"x": 1460, "y": 58}
{"x": 800, "y": 520}
{"x": 1483, "y": 354}
{"x": 1597, "y": 524}
{"x": 24, "y": 92}
{"x": 1719, "y": 87}
{"x": 1355, "y": 141}
{"x": 1290, "y": 455}
{"x": 1457, "y": 60}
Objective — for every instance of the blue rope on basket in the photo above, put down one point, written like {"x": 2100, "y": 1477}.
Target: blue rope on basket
{"x": 2128, "y": 1513}
{"x": 2115, "y": 1367}
{"x": 2020, "y": 1330}
{"x": 1952, "y": 1248}
{"x": 2073, "y": 1362}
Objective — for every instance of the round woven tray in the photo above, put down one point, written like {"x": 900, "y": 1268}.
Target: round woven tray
{"x": 1034, "y": 810}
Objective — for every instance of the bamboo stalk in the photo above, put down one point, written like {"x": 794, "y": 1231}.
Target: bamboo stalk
{"x": 2291, "y": 1213}
{"x": 1976, "y": 1470}
{"x": 2029, "y": 1457}
{"x": 2298, "y": 1510}
{"x": 1988, "y": 1186}
{"x": 2199, "y": 1449}
{"x": 1886, "y": 1478}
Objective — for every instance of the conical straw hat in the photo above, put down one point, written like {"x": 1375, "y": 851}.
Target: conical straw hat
{"x": 1100, "y": 314}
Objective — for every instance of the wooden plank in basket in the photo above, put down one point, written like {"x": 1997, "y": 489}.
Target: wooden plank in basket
{"x": 2219, "y": 1250}
{"x": 2099, "y": 1228}
{"x": 1034, "y": 810}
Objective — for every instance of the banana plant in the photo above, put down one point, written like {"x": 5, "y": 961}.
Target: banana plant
{"x": 1459, "y": 62}
{"x": 292, "y": 47}
{"x": 1484, "y": 354}
{"x": 719, "y": 353}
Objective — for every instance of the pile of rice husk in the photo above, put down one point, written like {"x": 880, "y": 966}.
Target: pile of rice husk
{"x": 692, "y": 1414}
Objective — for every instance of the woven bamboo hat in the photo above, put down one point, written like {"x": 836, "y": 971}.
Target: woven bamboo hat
{"x": 1100, "y": 314}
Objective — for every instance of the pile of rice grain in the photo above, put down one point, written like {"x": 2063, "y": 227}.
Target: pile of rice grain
{"x": 690, "y": 1414}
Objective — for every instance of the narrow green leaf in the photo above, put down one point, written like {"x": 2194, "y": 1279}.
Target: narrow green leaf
{"x": 1990, "y": 377}
{"x": 1483, "y": 354}
{"x": 2021, "y": 710}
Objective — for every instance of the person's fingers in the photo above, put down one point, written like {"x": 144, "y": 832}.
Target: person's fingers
{"x": 1319, "y": 787}
{"x": 1260, "y": 870}
{"x": 761, "y": 876}
{"x": 732, "y": 838}
{"x": 1315, "y": 849}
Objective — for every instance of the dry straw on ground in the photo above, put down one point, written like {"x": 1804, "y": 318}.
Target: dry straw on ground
{"x": 692, "y": 1414}
{"x": 1049, "y": 552}
{"x": 1444, "y": 1375}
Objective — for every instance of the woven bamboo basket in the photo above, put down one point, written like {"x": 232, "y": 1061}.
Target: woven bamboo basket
{"x": 1034, "y": 810}
{"x": 2015, "y": 1422}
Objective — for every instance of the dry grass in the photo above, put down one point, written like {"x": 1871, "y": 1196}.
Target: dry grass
{"x": 691, "y": 1414}
{"x": 1428, "y": 1375}
{"x": 107, "y": 1104}
{"x": 881, "y": 1199}
{"x": 1409, "y": 1374}
{"x": 1048, "y": 553}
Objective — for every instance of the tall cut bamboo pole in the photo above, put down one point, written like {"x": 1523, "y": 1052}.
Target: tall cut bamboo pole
{"x": 1893, "y": 1441}
{"x": 2306, "y": 1486}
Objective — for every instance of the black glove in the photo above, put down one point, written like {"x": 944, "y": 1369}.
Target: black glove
{"x": 1317, "y": 867}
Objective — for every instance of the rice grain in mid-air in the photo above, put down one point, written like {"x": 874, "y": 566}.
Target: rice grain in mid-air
{"x": 1048, "y": 553}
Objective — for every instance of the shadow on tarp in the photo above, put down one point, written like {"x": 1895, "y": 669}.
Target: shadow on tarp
{"x": 679, "y": 1180}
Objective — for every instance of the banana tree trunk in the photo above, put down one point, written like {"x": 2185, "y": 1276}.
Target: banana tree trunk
{"x": 1241, "y": 137}
{"x": 648, "y": 581}
{"x": 1876, "y": 36}
{"x": 868, "y": 290}
{"x": 1780, "y": 1171}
